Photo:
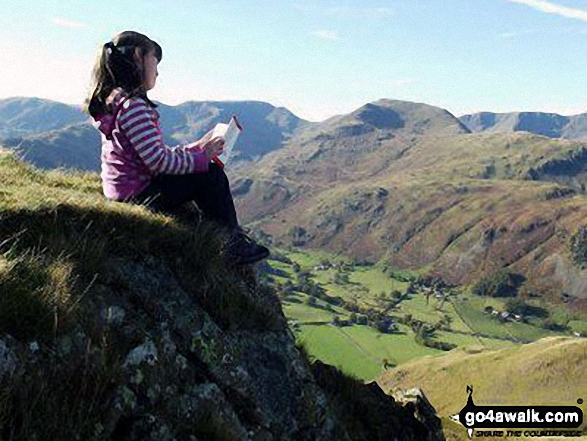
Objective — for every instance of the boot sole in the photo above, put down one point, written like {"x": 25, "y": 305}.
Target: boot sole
{"x": 252, "y": 259}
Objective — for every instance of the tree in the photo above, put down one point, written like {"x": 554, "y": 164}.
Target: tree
{"x": 517, "y": 306}
{"x": 501, "y": 284}
{"x": 340, "y": 278}
{"x": 395, "y": 294}
{"x": 550, "y": 323}
{"x": 578, "y": 246}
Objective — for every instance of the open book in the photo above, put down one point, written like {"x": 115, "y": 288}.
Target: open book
{"x": 230, "y": 132}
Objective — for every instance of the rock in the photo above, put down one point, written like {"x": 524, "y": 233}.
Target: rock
{"x": 113, "y": 315}
{"x": 422, "y": 408}
{"x": 7, "y": 360}
{"x": 147, "y": 352}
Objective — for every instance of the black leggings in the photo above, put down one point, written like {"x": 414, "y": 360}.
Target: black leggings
{"x": 210, "y": 190}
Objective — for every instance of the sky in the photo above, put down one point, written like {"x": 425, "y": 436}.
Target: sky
{"x": 316, "y": 58}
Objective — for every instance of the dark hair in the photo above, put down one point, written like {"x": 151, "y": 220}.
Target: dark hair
{"x": 116, "y": 67}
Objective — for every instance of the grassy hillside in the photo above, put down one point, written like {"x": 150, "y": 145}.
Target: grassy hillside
{"x": 550, "y": 371}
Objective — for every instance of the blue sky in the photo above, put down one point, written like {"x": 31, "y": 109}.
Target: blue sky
{"x": 317, "y": 58}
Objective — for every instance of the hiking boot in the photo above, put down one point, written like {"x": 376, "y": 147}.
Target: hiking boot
{"x": 240, "y": 249}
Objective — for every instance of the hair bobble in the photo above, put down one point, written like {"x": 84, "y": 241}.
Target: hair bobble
{"x": 109, "y": 47}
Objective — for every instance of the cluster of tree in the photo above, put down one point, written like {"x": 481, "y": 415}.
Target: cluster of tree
{"x": 342, "y": 266}
{"x": 442, "y": 345}
{"x": 299, "y": 236}
{"x": 389, "y": 301}
{"x": 374, "y": 319}
{"x": 554, "y": 325}
{"x": 279, "y": 257}
{"x": 429, "y": 281}
{"x": 398, "y": 275}
{"x": 425, "y": 336}
{"x": 340, "y": 278}
{"x": 578, "y": 246}
{"x": 501, "y": 284}
{"x": 336, "y": 321}
{"x": 359, "y": 319}
{"x": 516, "y": 305}
{"x": 363, "y": 262}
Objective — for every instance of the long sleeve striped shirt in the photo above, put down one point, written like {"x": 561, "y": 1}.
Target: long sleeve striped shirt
{"x": 133, "y": 150}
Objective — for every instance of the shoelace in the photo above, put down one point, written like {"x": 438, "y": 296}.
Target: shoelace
{"x": 247, "y": 238}
{"x": 243, "y": 230}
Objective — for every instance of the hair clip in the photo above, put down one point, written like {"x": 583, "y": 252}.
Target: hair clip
{"x": 124, "y": 49}
{"x": 110, "y": 46}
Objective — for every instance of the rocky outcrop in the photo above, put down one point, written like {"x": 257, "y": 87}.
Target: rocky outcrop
{"x": 149, "y": 354}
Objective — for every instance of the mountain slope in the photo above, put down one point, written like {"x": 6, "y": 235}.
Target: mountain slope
{"x": 461, "y": 205}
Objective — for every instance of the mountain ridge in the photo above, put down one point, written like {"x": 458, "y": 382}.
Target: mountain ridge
{"x": 265, "y": 128}
{"x": 551, "y": 125}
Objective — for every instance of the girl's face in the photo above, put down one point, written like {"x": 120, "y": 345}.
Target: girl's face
{"x": 149, "y": 64}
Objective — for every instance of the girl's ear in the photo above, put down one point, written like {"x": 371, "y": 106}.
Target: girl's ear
{"x": 137, "y": 55}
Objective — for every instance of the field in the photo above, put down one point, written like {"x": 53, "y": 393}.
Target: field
{"x": 364, "y": 351}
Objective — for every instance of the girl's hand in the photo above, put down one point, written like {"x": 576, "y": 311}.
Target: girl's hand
{"x": 199, "y": 144}
{"x": 214, "y": 146}
{"x": 209, "y": 145}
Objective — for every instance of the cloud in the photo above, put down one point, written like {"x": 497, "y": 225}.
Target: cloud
{"x": 325, "y": 34}
{"x": 553, "y": 8}
{"x": 64, "y": 22}
{"x": 347, "y": 11}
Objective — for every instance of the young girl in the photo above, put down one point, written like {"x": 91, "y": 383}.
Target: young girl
{"x": 137, "y": 166}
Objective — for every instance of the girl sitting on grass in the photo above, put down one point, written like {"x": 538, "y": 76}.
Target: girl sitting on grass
{"x": 137, "y": 166}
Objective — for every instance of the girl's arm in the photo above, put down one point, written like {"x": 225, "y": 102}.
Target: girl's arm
{"x": 135, "y": 120}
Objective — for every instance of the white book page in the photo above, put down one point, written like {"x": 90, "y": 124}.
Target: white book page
{"x": 231, "y": 132}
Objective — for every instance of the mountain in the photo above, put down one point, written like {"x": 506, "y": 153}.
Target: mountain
{"x": 265, "y": 127}
{"x": 51, "y": 134}
{"x": 75, "y": 146}
{"x": 415, "y": 190}
{"x": 545, "y": 124}
{"x": 117, "y": 323}
{"x": 29, "y": 116}
{"x": 403, "y": 183}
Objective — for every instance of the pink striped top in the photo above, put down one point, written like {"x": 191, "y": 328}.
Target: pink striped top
{"x": 133, "y": 151}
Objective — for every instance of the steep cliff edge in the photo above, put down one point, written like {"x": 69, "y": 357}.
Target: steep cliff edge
{"x": 116, "y": 323}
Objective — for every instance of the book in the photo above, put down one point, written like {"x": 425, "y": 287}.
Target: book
{"x": 230, "y": 132}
